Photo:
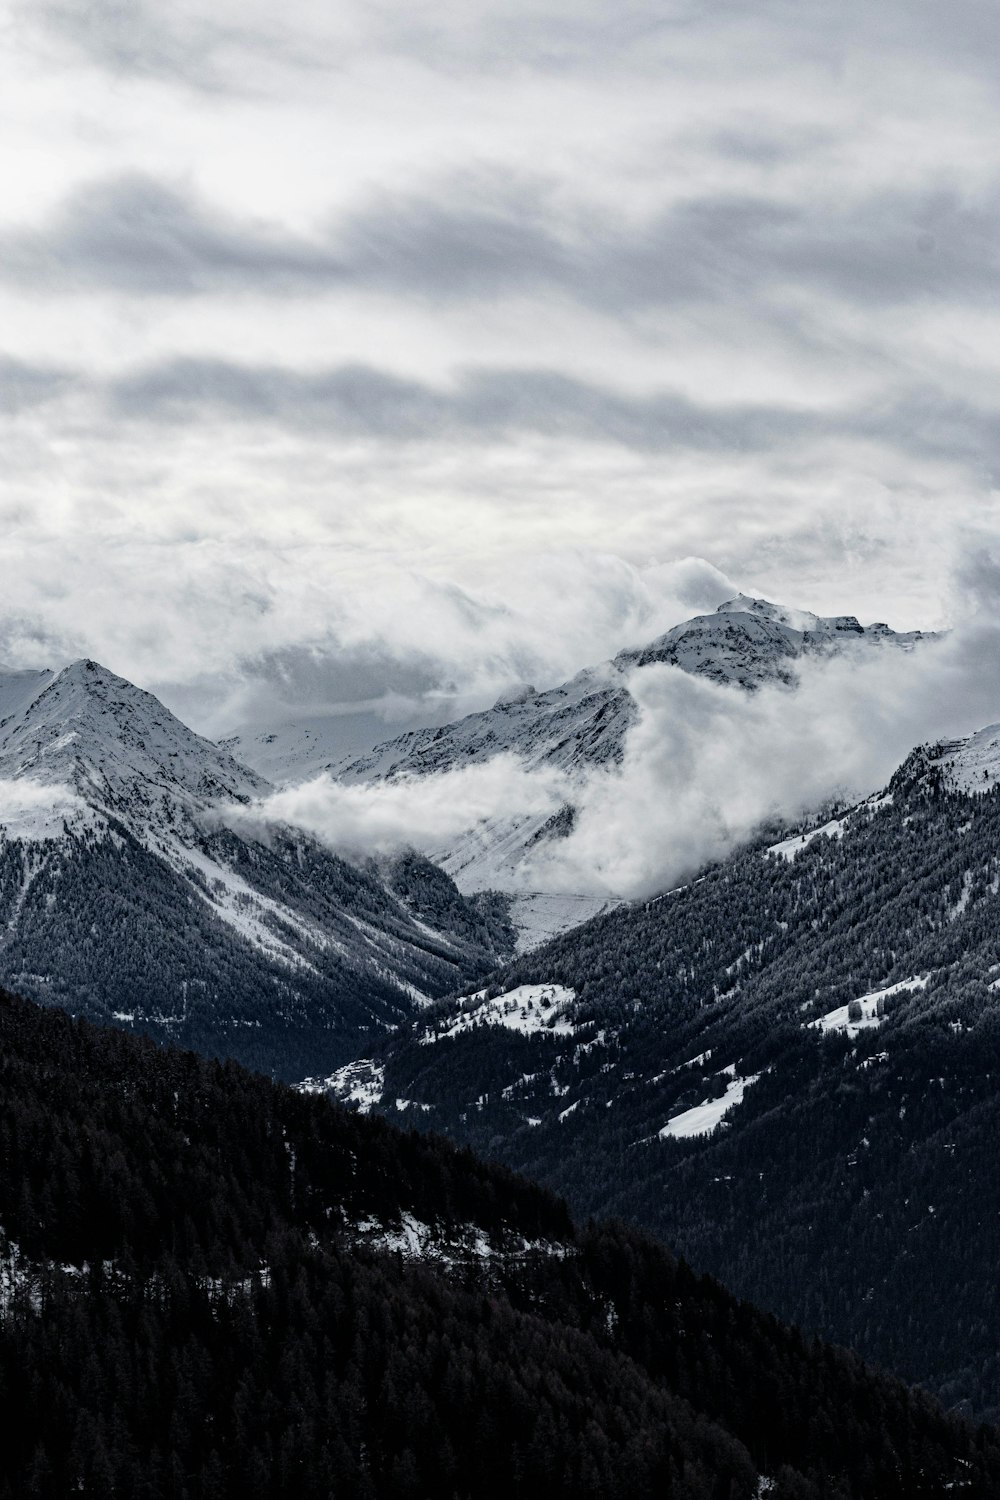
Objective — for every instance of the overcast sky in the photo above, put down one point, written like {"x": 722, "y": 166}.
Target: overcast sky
{"x": 371, "y": 347}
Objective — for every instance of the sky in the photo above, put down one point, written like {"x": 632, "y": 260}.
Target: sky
{"x": 371, "y": 356}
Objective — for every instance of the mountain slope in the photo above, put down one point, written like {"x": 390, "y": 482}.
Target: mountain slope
{"x": 788, "y": 1067}
{"x": 214, "y": 1287}
{"x": 583, "y": 722}
{"x": 125, "y": 895}
{"x": 117, "y": 745}
{"x": 581, "y": 727}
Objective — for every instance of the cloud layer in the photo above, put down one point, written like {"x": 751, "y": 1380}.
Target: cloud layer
{"x": 322, "y": 326}
{"x": 705, "y": 766}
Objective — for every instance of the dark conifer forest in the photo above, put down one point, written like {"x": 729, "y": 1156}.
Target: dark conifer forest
{"x": 859, "y": 1162}
{"x": 203, "y": 1296}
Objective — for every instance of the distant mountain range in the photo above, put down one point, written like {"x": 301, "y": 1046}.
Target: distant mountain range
{"x": 581, "y": 726}
{"x": 577, "y": 727}
{"x": 787, "y": 1066}
{"x": 124, "y": 894}
{"x": 130, "y": 892}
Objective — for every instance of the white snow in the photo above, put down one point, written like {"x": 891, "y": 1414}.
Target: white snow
{"x": 871, "y": 1009}
{"x": 361, "y": 1083}
{"x": 692, "y": 1062}
{"x": 528, "y": 1009}
{"x": 240, "y": 906}
{"x": 541, "y": 915}
{"x": 964, "y": 894}
{"x": 705, "y": 1117}
{"x": 577, "y": 727}
{"x": 788, "y": 848}
{"x": 973, "y": 764}
{"x": 113, "y": 743}
{"x": 33, "y": 810}
{"x": 415, "y": 1240}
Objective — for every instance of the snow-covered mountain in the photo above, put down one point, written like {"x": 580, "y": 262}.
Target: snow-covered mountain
{"x": 113, "y": 744}
{"x": 125, "y": 894}
{"x": 583, "y": 722}
{"x": 579, "y": 726}
{"x": 579, "y": 723}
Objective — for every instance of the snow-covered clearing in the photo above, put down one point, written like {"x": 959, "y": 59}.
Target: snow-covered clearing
{"x": 788, "y": 848}
{"x": 415, "y": 1240}
{"x": 703, "y": 1118}
{"x": 871, "y": 1009}
{"x": 361, "y": 1083}
{"x": 529, "y": 1008}
{"x": 33, "y": 810}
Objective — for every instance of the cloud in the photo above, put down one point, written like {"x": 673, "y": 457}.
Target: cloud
{"x": 231, "y": 49}
{"x": 705, "y": 766}
{"x": 24, "y": 385}
{"x": 135, "y": 38}
{"x": 235, "y": 625}
{"x": 36, "y": 810}
{"x": 490, "y": 233}
{"x": 423, "y": 814}
{"x": 310, "y": 303}
{"x": 358, "y": 399}
{"x": 140, "y": 236}
{"x": 486, "y": 404}
{"x": 489, "y": 404}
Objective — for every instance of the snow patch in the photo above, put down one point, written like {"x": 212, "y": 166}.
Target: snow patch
{"x": 415, "y": 1240}
{"x": 788, "y": 848}
{"x": 971, "y": 765}
{"x": 705, "y": 1117}
{"x": 872, "y": 1009}
{"x": 32, "y": 810}
{"x": 361, "y": 1083}
{"x": 529, "y": 1008}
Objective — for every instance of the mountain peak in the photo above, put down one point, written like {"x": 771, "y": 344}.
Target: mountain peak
{"x": 801, "y": 620}
{"x": 747, "y": 604}
{"x": 97, "y": 732}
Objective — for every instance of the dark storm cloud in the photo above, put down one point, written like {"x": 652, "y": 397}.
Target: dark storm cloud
{"x": 130, "y": 37}
{"x": 135, "y": 235}
{"x": 213, "y": 52}
{"x": 24, "y": 385}
{"x": 484, "y": 404}
{"x": 136, "y": 37}
{"x": 361, "y": 401}
{"x": 887, "y": 248}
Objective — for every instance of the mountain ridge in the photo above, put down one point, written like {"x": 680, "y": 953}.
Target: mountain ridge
{"x": 119, "y": 875}
{"x": 581, "y": 726}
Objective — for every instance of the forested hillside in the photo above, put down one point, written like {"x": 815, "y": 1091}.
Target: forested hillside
{"x": 788, "y": 1068}
{"x": 214, "y": 1286}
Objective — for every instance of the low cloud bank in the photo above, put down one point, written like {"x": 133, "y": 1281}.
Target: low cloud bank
{"x": 704, "y": 766}
{"x": 423, "y": 813}
{"x": 32, "y": 809}
{"x": 707, "y": 764}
